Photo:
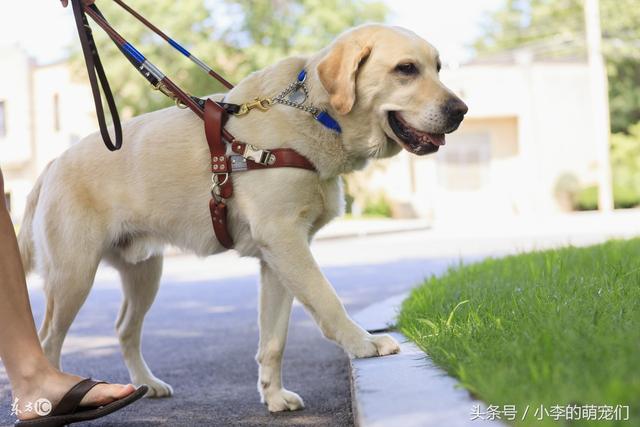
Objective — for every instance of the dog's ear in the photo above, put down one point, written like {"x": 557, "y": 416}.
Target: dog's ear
{"x": 337, "y": 72}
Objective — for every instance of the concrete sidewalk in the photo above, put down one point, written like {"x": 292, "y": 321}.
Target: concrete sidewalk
{"x": 622, "y": 223}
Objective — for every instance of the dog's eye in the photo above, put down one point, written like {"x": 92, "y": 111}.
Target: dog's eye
{"x": 408, "y": 69}
{"x": 439, "y": 66}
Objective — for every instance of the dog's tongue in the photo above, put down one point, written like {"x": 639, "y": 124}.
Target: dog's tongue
{"x": 437, "y": 138}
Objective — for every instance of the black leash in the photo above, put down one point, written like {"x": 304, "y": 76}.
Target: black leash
{"x": 97, "y": 78}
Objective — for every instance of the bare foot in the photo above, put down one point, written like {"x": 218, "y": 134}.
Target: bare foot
{"x": 54, "y": 385}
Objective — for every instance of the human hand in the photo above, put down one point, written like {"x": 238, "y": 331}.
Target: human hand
{"x": 86, "y": 2}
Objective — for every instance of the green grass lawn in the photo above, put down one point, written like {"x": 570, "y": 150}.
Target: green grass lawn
{"x": 550, "y": 328}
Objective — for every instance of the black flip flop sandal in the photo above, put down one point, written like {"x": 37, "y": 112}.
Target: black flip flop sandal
{"x": 68, "y": 410}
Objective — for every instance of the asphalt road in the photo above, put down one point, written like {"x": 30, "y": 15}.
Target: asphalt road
{"x": 201, "y": 336}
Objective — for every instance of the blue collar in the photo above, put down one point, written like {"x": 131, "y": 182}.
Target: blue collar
{"x": 296, "y": 95}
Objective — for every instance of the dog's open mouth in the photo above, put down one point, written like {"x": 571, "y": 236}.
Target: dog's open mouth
{"x": 414, "y": 140}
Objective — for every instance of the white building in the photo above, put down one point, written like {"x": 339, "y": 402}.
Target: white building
{"x": 42, "y": 112}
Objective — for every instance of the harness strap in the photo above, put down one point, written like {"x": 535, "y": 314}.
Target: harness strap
{"x": 214, "y": 119}
{"x": 97, "y": 78}
{"x": 214, "y": 116}
{"x": 222, "y": 166}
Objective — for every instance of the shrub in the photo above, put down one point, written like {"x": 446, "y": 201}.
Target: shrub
{"x": 377, "y": 207}
{"x": 625, "y": 165}
{"x": 623, "y": 198}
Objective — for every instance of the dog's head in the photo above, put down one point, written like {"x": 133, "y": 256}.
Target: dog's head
{"x": 384, "y": 82}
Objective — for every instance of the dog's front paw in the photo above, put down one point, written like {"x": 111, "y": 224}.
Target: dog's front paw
{"x": 282, "y": 400}
{"x": 375, "y": 345}
{"x": 157, "y": 387}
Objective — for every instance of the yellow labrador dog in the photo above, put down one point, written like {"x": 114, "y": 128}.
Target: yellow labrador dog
{"x": 380, "y": 83}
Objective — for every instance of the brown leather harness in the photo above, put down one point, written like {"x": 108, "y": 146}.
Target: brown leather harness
{"x": 222, "y": 165}
{"x": 226, "y": 157}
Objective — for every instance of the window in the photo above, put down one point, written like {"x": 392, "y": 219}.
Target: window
{"x": 464, "y": 164}
{"x": 3, "y": 121}
{"x": 56, "y": 112}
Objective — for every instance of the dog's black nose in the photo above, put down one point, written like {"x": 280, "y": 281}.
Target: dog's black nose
{"x": 454, "y": 111}
{"x": 456, "y": 108}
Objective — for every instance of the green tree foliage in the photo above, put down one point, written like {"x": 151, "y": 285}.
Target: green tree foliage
{"x": 520, "y": 22}
{"x": 561, "y": 23}
{"x": 271, "y": 30}
{"x": 625, "y": 163}
{"x": 235, "y": 37}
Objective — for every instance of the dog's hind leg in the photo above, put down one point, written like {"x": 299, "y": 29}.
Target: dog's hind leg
{"x": 140, "y": 282}
{"x": 275, "y": 309}
{"x": 66, "y": 289}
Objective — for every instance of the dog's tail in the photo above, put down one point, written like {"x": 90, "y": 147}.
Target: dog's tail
{"x": 25, "y": 236}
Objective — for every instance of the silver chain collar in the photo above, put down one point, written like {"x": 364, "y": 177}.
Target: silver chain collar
{"x": 295, "y": 95}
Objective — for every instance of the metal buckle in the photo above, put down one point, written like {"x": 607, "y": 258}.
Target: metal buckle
{"x": 217, "y": 182}
{"x": 264, "y": 157}
{"x": 165, "y": 90}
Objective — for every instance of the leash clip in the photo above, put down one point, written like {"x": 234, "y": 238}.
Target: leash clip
{"x": 165, "y": 91}
{"x": 261, "y": 104}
